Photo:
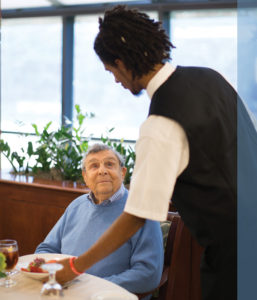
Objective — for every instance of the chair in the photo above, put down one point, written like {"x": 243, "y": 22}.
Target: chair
{"x": 173, "y": 217}
{"x": 181, "y": 272}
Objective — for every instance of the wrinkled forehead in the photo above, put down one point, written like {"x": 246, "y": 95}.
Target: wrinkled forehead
{"x": 101, "y": 156}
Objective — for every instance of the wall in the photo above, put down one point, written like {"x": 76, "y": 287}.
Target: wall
{"x": 29, "y": 210}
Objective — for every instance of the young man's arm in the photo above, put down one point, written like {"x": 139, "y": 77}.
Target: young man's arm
{"x": 146, "y": 260}
{"x": 118, "y": 233}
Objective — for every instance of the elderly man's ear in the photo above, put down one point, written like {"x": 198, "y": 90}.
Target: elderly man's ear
{"x": 123, "y": 172}
{"x": 83, "y": 175}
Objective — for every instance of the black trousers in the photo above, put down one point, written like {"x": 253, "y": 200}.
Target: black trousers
{"x": 219, "y": 272}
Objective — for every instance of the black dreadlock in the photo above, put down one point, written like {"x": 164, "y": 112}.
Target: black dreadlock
{"x": 138, "y": 41}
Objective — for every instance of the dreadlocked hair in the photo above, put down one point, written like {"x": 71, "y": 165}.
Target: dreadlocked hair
{"x": 131, "y": 36}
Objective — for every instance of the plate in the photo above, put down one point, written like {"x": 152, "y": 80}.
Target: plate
{"x": 34, "y": 275}
{"x": 113, "y": 295}
{"x": 26, "y": 259}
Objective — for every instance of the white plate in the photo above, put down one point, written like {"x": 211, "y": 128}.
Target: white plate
{"x": 26, "y": 259}
{"x": 113, "y": 295}
{"x": 34, "y": 275}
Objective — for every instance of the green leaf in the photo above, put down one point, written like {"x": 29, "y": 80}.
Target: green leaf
{"x": 2, "y": 262}
{"x": 80, "y": 118}
{"x": 4, "y": 147}
{"x": 77, "y": 107}
{"x": 36, "y": 130}
{"x": 30, "y": 149}
{"x": 47, "y": 125}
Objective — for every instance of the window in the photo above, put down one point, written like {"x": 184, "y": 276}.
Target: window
{"x": 31, "y": 77}
{"x": 31, "y": 73}
{"x": 206, "y": 38}
{"x": 247, "y": 57}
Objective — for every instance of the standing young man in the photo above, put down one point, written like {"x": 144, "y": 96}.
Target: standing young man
{"x": 186, "y": 151}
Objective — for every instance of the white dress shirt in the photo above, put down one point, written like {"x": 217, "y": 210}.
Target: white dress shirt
{"x": 162, "y": 153}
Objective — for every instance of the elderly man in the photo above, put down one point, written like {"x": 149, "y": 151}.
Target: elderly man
{"x": 137, "y": 265}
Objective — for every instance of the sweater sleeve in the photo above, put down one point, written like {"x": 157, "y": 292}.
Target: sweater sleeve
{"x": 146, "y": 263}
{"x": 52, "y": 242}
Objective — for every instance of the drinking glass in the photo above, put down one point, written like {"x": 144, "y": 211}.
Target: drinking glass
{"x": 9, "y": 248}
{"x": 52, "y": 287}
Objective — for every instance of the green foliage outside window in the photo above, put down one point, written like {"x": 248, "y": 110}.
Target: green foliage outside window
{"x": 58, "y": 154}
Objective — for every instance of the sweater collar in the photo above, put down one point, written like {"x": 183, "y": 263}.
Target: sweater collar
{"x": 116, "y": 196}
{"x": 159, "y": 78}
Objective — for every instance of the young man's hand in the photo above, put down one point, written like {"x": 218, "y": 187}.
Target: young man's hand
{"x": 66, "y": 273}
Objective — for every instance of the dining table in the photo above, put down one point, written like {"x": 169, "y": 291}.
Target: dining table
{"x": 84, "y": 287}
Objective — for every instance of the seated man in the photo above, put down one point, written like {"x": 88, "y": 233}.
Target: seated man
{"x": 137, "y": 265}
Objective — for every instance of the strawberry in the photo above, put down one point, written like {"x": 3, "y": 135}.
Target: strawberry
{"x": 34, "y": 266}
{"x": 35, "y": 269}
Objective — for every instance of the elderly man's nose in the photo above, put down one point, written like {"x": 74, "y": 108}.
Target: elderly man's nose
{"x": 102, "y": 169}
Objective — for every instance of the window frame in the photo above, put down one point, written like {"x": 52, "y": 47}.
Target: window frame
{"x": 68, "y": 14}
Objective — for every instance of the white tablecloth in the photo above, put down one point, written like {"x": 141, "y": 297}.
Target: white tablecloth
{"x": 84, "y": 288}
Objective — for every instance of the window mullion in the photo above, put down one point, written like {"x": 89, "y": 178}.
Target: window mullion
{"x": 67, "y": 68}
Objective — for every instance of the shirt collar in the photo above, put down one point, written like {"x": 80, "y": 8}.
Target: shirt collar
{"x": 116, "y": 196}
{"x": 159, "y": 78}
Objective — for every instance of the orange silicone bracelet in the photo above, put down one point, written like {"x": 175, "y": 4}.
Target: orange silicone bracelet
{"x": 71, "y": 261}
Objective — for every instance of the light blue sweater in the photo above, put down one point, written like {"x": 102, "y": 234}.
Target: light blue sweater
{"x": 136, "y": 266}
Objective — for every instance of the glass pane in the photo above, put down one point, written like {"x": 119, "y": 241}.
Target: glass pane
{"x": 206, "y": 38}
{"x": 31, "y": 73}
{"x": 247, "y": 56}
{"x": 96, "y": 91}
{"x": 13, "y": 4}
{"x": 73, "y": 2}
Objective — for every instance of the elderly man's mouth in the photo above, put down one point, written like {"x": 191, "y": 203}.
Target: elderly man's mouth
{"x": 104, "y": 181}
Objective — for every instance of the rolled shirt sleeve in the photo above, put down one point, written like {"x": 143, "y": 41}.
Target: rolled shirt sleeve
{"x": 162, "y": 153}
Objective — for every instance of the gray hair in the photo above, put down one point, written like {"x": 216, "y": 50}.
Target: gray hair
{"x": 102, "y": 147}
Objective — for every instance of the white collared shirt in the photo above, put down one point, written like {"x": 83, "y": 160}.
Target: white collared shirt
{"x": 116, "y": 196}
{"x": 159, "y": 78}
{"x": 162, "y": 153}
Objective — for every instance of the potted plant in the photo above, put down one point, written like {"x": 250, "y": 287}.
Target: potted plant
{"x": 58, "y": 154}
{"x": 55, "y": 154}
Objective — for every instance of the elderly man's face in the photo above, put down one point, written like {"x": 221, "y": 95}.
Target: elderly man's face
{"x": 103, "y": 174}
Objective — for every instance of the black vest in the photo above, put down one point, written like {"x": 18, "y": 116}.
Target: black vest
{"x": 205, "y": 194}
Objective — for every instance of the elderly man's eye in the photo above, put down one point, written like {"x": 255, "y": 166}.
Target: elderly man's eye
{"x": 93, "y": 166}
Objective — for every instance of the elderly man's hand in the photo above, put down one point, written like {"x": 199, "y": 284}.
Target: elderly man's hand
{"x": 66, "y": 273}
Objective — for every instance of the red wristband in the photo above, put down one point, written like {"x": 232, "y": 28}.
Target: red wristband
{"x": 71, "y": 261}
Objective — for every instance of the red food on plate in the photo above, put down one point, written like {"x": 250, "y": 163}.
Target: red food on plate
{"x": 34, "y": 266}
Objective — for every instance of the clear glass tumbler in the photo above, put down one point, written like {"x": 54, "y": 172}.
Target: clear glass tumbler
{"x": 9, "y": 248}
{"x": 52, "y": 287}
